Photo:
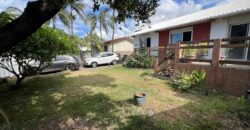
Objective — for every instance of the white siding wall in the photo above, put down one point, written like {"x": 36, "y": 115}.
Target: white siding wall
{"x": 154, "y": 41}
{"x": 136, "y": 42}
{"x": 220, "y": 28}
{"x": 122, "y": 46}
{"x": 4, "y": 73}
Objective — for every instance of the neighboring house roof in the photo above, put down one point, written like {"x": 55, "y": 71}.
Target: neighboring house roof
{"x": 233, "y": 8}
{"x": 118, "y": 40}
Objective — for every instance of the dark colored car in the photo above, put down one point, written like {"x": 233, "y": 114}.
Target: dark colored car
{"x": 60, "y": 63}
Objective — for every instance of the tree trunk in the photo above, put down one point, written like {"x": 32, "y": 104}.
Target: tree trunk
{"x": 18, "y": 83}
{"x": 71, "y": 22}
{"x": 54, "y": 22}
{"x": 113, "y": 33}
{"x": 101, "y": 30}
{"x": 34, "y": 16}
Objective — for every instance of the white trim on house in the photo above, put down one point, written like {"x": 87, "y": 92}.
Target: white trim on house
{"x": 154, "y": 37}
{"x": 233, "y": 8}
{"x": 248, "y": 34}
{"x": 181, "y": 30}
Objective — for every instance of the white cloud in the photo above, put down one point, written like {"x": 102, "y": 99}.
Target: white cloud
{"x": 20, "y": 4}
{"x": 169, "y": 9}
{"x": 208, "y": 3}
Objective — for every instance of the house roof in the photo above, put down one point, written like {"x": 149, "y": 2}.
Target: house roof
{"x": 117, "y": 40}
{"x": 233, "y": 8}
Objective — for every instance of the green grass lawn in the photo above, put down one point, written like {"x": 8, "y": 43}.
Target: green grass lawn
{"x": 103, "y": 99}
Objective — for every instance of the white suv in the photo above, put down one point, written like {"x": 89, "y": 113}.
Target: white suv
{"x": 102, "y": 58}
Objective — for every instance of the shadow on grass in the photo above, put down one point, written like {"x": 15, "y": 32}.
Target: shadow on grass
{"x": 181, "y": 118}
{"x": 63, "y": 102}
{"x": 60, "y": 102}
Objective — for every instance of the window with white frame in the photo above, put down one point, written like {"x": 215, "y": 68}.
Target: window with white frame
{"x": 239, "y": 30}
{"x": 180, "y": 36}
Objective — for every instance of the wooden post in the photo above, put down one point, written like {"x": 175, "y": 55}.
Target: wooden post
{"x": 156, "y": 66}
{"x": 215, "y": 63}
{"x": 216, "y": 53}
{"x": 148, "y": 51}
{"x": 177, "y": 53}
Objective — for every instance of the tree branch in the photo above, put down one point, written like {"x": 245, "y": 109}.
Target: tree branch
{"x": 34, "y": 16}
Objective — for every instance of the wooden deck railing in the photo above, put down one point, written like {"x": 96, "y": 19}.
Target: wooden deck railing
{"x": 213, "y": 46}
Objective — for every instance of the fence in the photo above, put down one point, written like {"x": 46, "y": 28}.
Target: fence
{"x": 223, "y": 73}
{"x": 231, "y": 79}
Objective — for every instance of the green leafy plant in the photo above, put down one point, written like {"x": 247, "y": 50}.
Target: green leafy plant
{"x": 139, "y": 61}
{"x": 197, "y": 78}
{"x": 146, "y": 73}
{"x": 185, "y": 81}
{"x": 41, "y": 47}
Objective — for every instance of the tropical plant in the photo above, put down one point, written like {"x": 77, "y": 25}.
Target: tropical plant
{"x": 40, "y": 48}
{"x": 102, "y": 19}
{"x": 139, "y": 61}
{"x": 66, "y": 14}
{"x": 77, "y": 7}
{"x": 93, "y": 41}
{"x": 38, "y": 12}
{"x": 63, "y": 16}
{"x": 187, "y": 81}
{"x": 113, "y": 23}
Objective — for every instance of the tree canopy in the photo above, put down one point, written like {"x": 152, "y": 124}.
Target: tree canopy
{"x": 38, "y": 12}
{"x": 41, "y": 46}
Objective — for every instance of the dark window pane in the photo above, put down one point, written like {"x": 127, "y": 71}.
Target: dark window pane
{"x": 110, "y": 54}
{"x": 237, "y": 31}
{"x": 59, "y": 58}
{"x": 187, "y": 36}
{"x": 148, "y": 42}
{"x": 105, "y": 48}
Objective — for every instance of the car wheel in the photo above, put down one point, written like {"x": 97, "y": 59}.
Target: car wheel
{"x": 94, "y": 64}
{"x": 114, "y": 62}
{"x": 71, "y": 67}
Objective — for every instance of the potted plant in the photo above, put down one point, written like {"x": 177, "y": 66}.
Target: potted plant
{"x": 140, "y": 98}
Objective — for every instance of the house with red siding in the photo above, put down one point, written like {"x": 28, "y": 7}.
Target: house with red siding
{"x": 223, "y": 21}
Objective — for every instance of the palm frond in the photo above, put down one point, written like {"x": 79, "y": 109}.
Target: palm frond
{"x": 93, "y": 20}
{"x": 78, "y": 8}
{"x": 65, "y": 17}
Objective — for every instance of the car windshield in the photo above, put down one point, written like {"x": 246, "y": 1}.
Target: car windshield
{"x": 95, "y": 55}
{"x": 98, "y": 55}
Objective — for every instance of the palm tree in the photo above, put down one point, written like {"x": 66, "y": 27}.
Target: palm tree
{"x": 112, "y": 25}
{"x": 77, "y": 7}
{"x": 66, "y": 14}
{"x": 63, "y": 16}
{"x": 102, "y": 19}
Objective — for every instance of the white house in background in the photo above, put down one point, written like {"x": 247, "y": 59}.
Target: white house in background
{"x": 4, "y": 73}
{"x": 122, "y": 46}
{"x": 223, "y": 21}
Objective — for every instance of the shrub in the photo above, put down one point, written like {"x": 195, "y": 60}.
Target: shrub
{"x": 187, "y": 81}
{"x": 146, "y": 73}
{"x": 139, "y": 61}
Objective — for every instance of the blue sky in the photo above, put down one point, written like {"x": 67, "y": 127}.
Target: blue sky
{"x": 168, "y": 9}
